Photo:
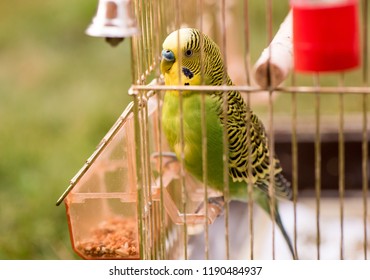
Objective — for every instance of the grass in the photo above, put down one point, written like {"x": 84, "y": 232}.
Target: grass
{"x": 60, "y": 93}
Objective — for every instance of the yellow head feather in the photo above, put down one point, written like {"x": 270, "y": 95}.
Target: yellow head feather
{"x": 181, "y": 70}
{"x": 186, "y": 54}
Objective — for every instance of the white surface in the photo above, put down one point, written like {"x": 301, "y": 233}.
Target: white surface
{"x": 353, "y": 234}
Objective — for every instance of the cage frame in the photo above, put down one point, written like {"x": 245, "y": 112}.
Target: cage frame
{"x": 144, "y": 67}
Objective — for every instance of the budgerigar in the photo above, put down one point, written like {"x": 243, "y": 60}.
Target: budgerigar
{"x": 185, "y": 63}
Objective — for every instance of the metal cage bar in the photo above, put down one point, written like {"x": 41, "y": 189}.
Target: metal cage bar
{"x": 365, "y": 80}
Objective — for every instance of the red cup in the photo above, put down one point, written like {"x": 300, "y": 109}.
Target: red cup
{"x": 325, "y": 35}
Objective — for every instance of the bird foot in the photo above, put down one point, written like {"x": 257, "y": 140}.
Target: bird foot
{"x": 170, "y": 155}
{"x": 214, "y": 204}
{"x": 167, "y": 158}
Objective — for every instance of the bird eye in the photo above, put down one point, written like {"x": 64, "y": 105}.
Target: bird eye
{"x": 188, "y": 52}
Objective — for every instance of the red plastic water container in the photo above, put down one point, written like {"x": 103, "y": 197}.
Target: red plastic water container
{"x": 325, "y": 35}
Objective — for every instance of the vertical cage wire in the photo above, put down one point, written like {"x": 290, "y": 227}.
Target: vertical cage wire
{"x": 182, "y": 140}
{"x": 365, "y": 77}
{"x": 160, "y": 150}
{"x": 341, "y": 166}
{"x": 225, "y": 137}
{"x": 317, "y": 162}
{"x": 147, "y": 177}
{"x": 365, "y": 172}
{"x": 152, "y": 16}
{"x": 248, "y": 117}
{"x": 140, "y": 187}
{"x": 271, "y": 143}
{"x": 294, "y": 151}
{"x": 158, "y": 26}
{"x": 205, "y": 172}
{"x": 200, "y": 13}
{"x": 204, "y": 139}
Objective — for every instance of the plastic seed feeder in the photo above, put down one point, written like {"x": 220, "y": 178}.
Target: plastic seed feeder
{"x": 127, "y": 200}
{"x": 101, "y": 208}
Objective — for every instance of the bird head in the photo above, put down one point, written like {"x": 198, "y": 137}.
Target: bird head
{"x": 190, "y": 57}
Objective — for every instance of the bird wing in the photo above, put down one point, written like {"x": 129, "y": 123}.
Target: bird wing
{"x": 248, "y": 148}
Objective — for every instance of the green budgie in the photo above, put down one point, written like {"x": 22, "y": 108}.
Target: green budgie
{"x": 194, "y": 66}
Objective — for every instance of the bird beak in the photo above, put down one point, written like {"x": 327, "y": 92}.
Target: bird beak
{"x": 168, "y": 58}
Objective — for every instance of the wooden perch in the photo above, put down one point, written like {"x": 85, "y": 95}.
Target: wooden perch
{"x": 276, "y": 61}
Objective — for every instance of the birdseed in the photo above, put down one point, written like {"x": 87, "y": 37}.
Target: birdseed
{"x": 115, "y": 238}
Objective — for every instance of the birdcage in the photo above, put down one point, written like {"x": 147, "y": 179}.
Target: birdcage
{"x": 135, "y": 199}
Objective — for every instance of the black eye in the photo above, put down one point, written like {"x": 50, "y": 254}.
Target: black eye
{"x": 188, "y": 52}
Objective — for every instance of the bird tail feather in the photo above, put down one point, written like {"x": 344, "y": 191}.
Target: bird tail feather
{"x": 264, "y": 202}
{"x": 285, "y": 234}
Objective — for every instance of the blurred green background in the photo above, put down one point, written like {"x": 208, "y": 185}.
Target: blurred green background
{"x": 60, "y": 92}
